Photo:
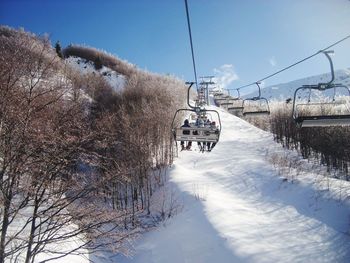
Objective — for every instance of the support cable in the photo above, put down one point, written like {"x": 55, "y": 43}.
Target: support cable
{"x": 190, "y": 34}
{"x": 296, "y": 63}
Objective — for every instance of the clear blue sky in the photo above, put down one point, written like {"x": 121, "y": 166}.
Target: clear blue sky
{"x": 253, "y": 38}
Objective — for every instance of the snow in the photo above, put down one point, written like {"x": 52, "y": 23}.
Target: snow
{"x": 237, "y": 208}
{"x": 113, "y": 78}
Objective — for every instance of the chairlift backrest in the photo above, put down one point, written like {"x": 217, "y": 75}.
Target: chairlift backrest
{"x": 256, "y": 106}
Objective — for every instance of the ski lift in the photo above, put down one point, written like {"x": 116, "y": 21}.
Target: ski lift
{"x": 238, "y": 97}
{"x": 226, "y": 101}
{"x": 218, "y": 94}
{"x": 197, "y": 133}
{"x": 322, "y": 113}
{"x": 222, "y": 99}
{"x": 256, "y": 106}
{"x": 237, "y": 104}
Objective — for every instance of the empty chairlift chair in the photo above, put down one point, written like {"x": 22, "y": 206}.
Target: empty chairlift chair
{"x": 237, "y": 104}
{"x": 256, "y": 106}
{"x": 221, "y": 100}
{"x": 332, "y": 110}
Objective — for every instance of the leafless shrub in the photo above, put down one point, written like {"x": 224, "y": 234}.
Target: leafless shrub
{"x": 92, "y": 54}
{"x": 75, "y": 153}
{"x": 328, "y": 145}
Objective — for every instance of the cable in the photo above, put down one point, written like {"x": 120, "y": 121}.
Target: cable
{"x": 294, "y": 64}
{"x": 190, "y": 34}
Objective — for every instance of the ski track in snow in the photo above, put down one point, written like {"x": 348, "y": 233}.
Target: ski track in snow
{"x": 237, "y": 209}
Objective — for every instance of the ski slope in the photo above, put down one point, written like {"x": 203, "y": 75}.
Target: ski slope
{"x": 236, "y": 208}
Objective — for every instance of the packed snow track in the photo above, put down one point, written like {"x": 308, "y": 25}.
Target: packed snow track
{"x": 236, "y": 208}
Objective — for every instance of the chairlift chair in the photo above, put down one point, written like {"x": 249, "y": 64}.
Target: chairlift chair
{"x": 195, "y": 133}
{"x": 223, "y": 98}
{"x": 236, "y": 97}
{"x": 226, "y": 105}
{"x": 218, "y": 94}
{"x": 256, "y": 106}
{"x": 322, "y": 113}
{"x": 236, "y": 104}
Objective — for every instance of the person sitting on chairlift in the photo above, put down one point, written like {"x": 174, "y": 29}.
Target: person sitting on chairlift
{"x": 210, "y": 147}
{"x": 186, "y": 132}
{"x": 200, "y": 123}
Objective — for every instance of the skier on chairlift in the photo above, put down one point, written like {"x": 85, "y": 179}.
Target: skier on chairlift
{"x": 189, "y": 144}
{"x": 211, "y": 146}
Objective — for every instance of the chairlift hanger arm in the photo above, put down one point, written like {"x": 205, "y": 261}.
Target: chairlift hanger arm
{"x": 191, "y": 42}
{"x": 188, "y": 94}
{"x": 257, "y": 83}
{"x": 326, "y": 53}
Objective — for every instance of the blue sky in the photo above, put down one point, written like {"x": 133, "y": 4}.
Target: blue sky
{"x": 240, "y": 41}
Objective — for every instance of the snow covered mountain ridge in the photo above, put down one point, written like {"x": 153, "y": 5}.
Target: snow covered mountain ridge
{"x": 283, "y": 91}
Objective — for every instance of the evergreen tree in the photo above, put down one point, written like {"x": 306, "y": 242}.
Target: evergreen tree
{"x": 98, "y": 63}
{"x": 58, "y": 49}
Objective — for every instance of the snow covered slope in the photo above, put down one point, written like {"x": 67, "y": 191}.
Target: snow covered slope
{"x": 115, "y": 80}
{"x": 284, "y": 91}
{"x": 237, "y": 208}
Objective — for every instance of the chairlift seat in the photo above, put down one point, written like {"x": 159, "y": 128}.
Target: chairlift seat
{"x": 221, "y": 99}
{"x": 197, "y": 134}
{"x": 235, "y": 108}
{"x": 226, "y": 103}
{"x": 256, "y": 113}
{"x": 323, "y": 120}
{"x": 309, "y": 120}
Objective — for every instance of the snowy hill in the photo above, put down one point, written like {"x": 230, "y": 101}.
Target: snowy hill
{"x": 284, "y": 91}
{"x": 242, "y": 204}
{"x": 114, "y": 79}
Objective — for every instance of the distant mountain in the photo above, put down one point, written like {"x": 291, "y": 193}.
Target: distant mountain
{"x": 284, "y": 91}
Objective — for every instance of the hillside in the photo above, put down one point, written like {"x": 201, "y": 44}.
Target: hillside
{"x": 249, "y": 200}
{"x": 83, "y": 146}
